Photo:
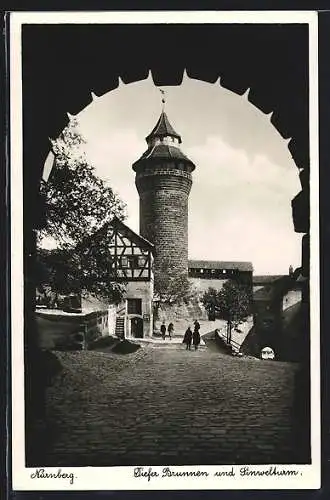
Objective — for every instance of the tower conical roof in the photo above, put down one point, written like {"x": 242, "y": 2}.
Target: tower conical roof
{"x": 163, "y": 128}
{"x": 163, "y": 144}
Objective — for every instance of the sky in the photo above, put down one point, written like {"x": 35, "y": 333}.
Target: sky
{"x": 245, "y": 178}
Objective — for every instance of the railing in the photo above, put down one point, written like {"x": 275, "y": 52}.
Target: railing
{"x": 234, "y": 345}
{"x": 121, "y": 311}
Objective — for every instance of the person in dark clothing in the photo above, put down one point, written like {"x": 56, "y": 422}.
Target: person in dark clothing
{"x": 163, "y": 330}
{"x": 188, "y": 338}
{"x": 170, "y": 329}
{"x": 196, "y": 339}
{"x": 196, "y": 335}
{"x": 196, "y": 325}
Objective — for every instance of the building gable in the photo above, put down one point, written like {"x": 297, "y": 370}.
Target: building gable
{"x": 128, "y": 255}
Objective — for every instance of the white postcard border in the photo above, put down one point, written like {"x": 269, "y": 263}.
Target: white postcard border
{"x": 122, "y": 478}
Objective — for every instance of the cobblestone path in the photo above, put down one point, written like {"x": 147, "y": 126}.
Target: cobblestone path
{"x": 163, "y": 406}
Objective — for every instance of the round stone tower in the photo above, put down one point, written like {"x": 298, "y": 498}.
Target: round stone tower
{"x": 163, "y": 180}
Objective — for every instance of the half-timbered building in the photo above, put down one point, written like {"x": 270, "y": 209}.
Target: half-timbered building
{"x": 132, "y": 263}
{"x": 129, "y": 260}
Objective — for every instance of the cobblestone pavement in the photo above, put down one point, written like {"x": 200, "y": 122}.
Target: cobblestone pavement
{"x": 163, "y": 406}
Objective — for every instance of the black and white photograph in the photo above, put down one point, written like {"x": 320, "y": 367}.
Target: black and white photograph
{"x": 164, "y": 246}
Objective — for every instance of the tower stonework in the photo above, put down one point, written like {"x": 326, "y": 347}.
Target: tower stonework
{"x": 163, "y": 180}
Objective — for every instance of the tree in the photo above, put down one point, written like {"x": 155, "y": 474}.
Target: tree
{"x": 210, "y": 301}
{"x": 172, "y": 288}
{"x": 77, "y": 201}
{"x": 55, "y": 275}
{"x": 85, "y": 273}
{"x": 233, "y": 303}
{"x": 78, "y": 204}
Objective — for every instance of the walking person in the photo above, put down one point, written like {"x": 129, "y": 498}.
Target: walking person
{"x": 163, "y": 330}
{"x": 196, "y": 339}
{"x": 188, "y": 338}
{"x": 170, "y": 330}
{"x": 196, "y": 335}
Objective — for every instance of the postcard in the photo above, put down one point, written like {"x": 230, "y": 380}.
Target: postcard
{"x": 164, "y": 250}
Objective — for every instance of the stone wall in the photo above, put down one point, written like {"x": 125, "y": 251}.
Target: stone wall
{"x": 90, "y": 303}
{"x": 60, "y": 330}
{"x": 291, "y": 298}
{"x": 201, "y": 285}
{"x": 180, "y": 315}
{"x": 183, "y": 315}
{"x": 164, "y": 218}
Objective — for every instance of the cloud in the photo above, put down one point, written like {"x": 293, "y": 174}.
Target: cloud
{"x": 240, "y": 208}
{"x": 230, "y": 167}
{"x": 113, "y": 156}
{"x": 245, "y": 179}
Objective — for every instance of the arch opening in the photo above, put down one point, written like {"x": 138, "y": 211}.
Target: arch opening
{"x": 217, "y": 126}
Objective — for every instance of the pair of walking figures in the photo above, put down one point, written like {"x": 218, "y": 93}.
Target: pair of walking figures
{"x": 170, "y": 329}
{"x": 192, "y": 337}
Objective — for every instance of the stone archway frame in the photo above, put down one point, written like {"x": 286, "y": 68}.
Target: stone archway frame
{"x": 61, "y": 70}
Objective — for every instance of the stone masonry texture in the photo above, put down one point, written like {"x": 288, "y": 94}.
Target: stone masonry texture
{"x": 164, "y": 218}
{"x": 163, "y": 406}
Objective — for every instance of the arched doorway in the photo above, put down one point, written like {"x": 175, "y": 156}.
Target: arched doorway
{"x": 136, "y": 327}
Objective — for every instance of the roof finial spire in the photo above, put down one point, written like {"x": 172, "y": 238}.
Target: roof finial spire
{"x": 163, "y": 98}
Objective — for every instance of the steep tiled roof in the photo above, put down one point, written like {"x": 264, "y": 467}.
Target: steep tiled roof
{"x": 163, "y": 128}
{"x": 116, "y": 222}
{"x": 164, "y": 151}
{"x": 218, "y": 264}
